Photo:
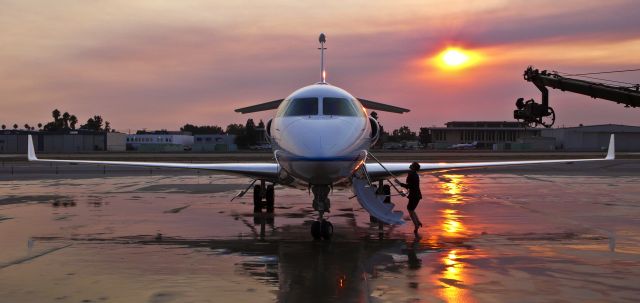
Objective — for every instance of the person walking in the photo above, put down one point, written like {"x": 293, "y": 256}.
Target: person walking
{"x": 413, "y": 185}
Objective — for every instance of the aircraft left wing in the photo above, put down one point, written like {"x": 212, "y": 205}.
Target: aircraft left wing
{"x": 376, "y": 171}
{"x": 267, "y": 171}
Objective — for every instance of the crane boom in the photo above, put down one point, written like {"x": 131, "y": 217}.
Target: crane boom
{"x": 533, "y": 113}
{"x": 627, "y": 96}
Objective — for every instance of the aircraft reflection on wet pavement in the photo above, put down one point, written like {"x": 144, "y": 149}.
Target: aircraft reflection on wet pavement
{"x": 347, "y": 270}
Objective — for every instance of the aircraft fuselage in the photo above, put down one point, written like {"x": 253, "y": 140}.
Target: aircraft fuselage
{"x": 320, "y": 134}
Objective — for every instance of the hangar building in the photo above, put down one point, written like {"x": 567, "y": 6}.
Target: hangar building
{"x": 595, "y": 137}
{"x": 75, "y": 141}
{"x": 504, "y": 135}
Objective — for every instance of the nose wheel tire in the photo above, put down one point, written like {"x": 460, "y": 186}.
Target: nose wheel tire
{"x": 321, "y": 230}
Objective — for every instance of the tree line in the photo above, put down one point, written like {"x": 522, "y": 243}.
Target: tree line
{"x": 66, "y": 121}
{"x": 404, "y": 133}
{"x": 246, "y": 135}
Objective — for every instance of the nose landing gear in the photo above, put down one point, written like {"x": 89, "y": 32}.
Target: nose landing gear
{"x": 263, "y": 196}
{"x": 321, "y": 228}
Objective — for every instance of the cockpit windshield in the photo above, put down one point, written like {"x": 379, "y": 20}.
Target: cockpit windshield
{"x": 338, "y": 107}
{"x": 302, "y": 107}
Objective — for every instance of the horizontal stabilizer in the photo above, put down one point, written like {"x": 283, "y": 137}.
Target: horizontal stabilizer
{"x": 366, "y": 103}
{"x": 260, "y": 107}
{"x": 382, "y": 107}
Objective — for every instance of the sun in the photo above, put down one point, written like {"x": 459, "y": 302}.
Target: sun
{"x": 455, "y": 58}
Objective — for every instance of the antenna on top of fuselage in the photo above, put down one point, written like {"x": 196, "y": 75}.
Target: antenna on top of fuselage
{"x": 323, "y": 74}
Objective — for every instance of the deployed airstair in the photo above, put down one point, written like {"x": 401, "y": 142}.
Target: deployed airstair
{"x": 374, "y": 203}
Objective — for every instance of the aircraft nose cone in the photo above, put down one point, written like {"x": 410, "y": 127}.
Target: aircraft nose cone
{"x": 321, "y": 138}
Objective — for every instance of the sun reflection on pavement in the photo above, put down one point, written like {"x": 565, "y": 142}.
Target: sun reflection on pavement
{"x": 453, "y": 188}
{"x": 453, "y": 275}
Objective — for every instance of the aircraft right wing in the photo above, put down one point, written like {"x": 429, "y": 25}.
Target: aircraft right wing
{"x": 266, "y": 171}
{"x": 378, "y": 172}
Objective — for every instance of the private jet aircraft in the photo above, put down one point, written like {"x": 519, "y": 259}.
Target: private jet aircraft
{"x": 320, "y": 137}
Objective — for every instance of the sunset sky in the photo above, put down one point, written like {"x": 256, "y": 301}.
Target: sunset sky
{"x": 160, "y": 64}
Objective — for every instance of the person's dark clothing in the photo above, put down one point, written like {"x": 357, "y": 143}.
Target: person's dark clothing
{"x": 413, "y": 203}
{"x": 413, "y": 185}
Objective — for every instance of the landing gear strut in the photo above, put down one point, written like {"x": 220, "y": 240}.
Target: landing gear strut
{"x": 263, "y": 196}
{"x": 321, "y": 228}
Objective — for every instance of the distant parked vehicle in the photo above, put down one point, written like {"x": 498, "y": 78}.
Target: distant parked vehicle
{"x": 260, "y": 147}
{"x": 473, "y": 145}
{"x": 392, "y": 145}
{"x": 404, "y": 145}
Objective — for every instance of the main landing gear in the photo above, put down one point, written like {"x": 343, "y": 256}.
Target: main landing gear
{"x": 321, "y": 228}
{"x": 263, "y": 197}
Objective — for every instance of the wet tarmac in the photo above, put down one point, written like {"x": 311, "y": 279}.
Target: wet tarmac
{"x": 567, "y": 233}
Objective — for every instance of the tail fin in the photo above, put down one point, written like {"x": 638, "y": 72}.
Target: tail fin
{"x": 31, "y": 152}
{"x": 323, "y": 73}
{"x": 611, "y": 153}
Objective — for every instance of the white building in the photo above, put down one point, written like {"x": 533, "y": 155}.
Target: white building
{"x": 160, "y": 141}
{"x": 214, "y": 143}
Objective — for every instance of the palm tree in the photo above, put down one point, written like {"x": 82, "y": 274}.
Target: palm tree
{"x": 65, "y": 120}
{"x": 26, "y": 126}
{"x": 56, "y": 115}
{"x": 4, "y": 127}
{"x": 57, "y": 122}
{"x": 73, "y": 120}
{"x": 39, "y": 125}
{"x": 15, "y": 126}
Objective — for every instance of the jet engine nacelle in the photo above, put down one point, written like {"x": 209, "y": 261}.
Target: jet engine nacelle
{"x": 375, "y": 130}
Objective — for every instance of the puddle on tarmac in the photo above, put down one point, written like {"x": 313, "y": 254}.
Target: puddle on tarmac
{"x": 175, "y": 239}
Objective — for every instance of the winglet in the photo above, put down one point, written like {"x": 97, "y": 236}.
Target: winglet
{"x": 31, "y": 153}
{"x": 611, "y": 153}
